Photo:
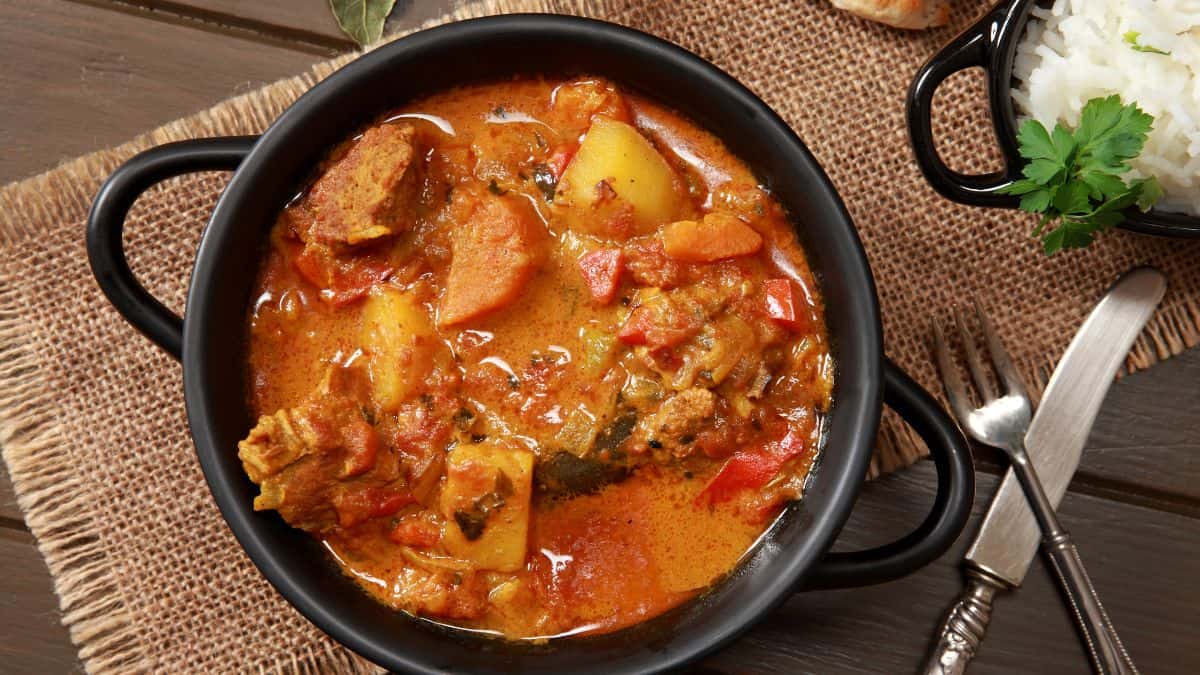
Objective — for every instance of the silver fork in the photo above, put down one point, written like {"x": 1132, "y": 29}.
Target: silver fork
{"x": 1001, "y": 422}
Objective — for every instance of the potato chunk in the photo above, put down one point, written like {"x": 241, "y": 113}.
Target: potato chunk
{"x": 495, "y": 252}
{"x": 618, "y": 185}
{"x": 486, "y": 504}
{"x": 400, "y": 344}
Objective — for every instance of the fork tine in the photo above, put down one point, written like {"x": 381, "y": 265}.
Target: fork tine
{"x": 974, "y": 363}
{"x": 1000, "y": 360}
{"x": 956, "y": 389}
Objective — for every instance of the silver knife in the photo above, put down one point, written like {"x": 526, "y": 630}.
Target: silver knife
{"x": 1009, "y": 536}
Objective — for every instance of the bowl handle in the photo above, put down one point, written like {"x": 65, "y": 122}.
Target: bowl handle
{"x": 106, "y": 223}
{"x": 951, "y": 505}
{"x": 970, "y": 49}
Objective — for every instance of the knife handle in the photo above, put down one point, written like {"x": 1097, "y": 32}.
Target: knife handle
{"x": 963, "y": 628}
{"x": 1104, "y": 646}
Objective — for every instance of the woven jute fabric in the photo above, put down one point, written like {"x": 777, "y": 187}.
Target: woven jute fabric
{"x": 91, "y": 414}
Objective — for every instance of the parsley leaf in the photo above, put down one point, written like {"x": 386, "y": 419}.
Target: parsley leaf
{"x": 1131, "y": 39}
{"x": 1073, "y": 178}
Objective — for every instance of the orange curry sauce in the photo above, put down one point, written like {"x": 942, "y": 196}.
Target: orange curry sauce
{"x": 534, "y": 357}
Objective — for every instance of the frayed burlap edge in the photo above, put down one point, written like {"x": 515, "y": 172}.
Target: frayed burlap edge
{"x": 37, "y": 450}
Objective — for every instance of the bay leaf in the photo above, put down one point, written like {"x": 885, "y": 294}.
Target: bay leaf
{"x": 362, "y": 20}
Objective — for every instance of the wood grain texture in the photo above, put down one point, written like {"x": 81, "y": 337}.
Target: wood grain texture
{"x": 77, "y": 78}
{"x": 887, "y": 628}
{"x": 32, "y": 637}
{"x": 1147, "y": 436}
{"x": 300, "y": 19}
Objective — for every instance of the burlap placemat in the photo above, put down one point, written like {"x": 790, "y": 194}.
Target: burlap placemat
{"x": 91, "y": 414}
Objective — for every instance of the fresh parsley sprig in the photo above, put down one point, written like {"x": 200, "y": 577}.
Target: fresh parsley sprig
{"x": 1074, "y": 178}
{"x": 1131, "y": 38}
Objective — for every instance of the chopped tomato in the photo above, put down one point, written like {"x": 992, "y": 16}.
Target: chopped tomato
{"x": 560, "y": 158}
{"x": 647, "y": 327}
{"x": 370, "y": 502}
{"x": 416, "y": 531}
{"x": 661, "y": 320}
{"x": 341, "y": 280}
{"x": 751, "y": 468}
{"x": 601, "y": 271}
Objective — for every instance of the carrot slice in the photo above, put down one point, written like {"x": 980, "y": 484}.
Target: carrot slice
{"x": 718, "y": 236}
{"x": 493, "y": 257}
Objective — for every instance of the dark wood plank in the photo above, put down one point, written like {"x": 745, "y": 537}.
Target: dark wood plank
{"x": 306, "y": 20}
{"x": 1142, "y": 562}
{"x": 10, "y": 515}
{"x": 1146, "y": 435}
{"x": 299, "y": 19}
{"x": 34, "y": 639}
{"x": 78, "y": 78}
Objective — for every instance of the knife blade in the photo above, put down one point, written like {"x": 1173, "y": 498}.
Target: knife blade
{"x": 1009, "y": 536}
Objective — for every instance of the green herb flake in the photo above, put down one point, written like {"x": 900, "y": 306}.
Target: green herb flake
{"x": 1131, "y": 39}
{"x": 1073, "y": 178}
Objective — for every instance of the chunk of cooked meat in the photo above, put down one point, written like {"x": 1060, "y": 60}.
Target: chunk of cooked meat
{"x": 369, "y": 193}
{"x": 321, "y": 465}
{"x": 495, "y": 251}
{"x": 673, "y": 427}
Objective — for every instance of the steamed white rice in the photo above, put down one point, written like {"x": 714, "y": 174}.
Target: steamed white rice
{"x": 1075, "y": 51}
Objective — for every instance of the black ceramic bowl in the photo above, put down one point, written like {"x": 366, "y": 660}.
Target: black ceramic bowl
{"x": 991, "y": 44}
{"x": 210, "y": 342}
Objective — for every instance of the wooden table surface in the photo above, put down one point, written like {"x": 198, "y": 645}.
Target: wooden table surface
{"x": 86, "y": 74}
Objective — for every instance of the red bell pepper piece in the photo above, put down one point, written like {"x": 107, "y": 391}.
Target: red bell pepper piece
{"x": 781, "y": 304}
{"x": 601, "y": 271}
{"x": 751, "y": 469}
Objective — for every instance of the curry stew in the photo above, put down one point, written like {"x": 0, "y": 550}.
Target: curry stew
{"x": 534, "y": 357}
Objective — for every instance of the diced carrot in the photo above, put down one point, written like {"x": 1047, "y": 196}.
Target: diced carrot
{"x": 601, "y": 270}
{"x": 494, "y": 254}
{"x": 717, "y": 236}
{"x": 782, "y": 304}
{"x": 751, "y": 468}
